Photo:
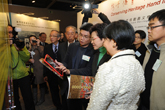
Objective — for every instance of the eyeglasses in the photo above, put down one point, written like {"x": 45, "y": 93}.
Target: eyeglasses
{"x": 137, "y": 38}
{"x": 85, "y": 36}
{"x": 10, "y": 32}
{"x": 53, "y": 36}
{"x": 152, "y": 27}
{"x": 92, "y": 39}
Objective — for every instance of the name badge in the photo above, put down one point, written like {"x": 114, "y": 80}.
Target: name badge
{"x": 32, "y": 53}
{"x": 85, "y": 57}
{"x": 156, "y": 65}
{"x": 138, "y": 54}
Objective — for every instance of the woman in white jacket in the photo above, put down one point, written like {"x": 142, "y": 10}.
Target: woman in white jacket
{"x": 118, "y": 82}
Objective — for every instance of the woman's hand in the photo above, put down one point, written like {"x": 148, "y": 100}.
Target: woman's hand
{"x": 88, "y": 93}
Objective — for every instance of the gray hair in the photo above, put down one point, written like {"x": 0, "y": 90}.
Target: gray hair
{"x": 72, "y": 27}
{"x": 58, "y": 34}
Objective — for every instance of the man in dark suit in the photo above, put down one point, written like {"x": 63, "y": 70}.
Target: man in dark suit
{"x": 52, "y": 51}
{"x": 70, "y": 33}
{"x": 42, "y": 37}
{"x": 78, "y": 61}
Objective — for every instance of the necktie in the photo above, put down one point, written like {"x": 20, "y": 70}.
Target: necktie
{"x": 43, "y": 43}
{"x": 55, "y": 49}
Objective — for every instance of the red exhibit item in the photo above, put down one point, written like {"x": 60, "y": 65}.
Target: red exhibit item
{"x": 51, "y": 63}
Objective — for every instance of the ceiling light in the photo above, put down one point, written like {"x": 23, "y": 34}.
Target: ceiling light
{"x": 44, "y": 17}
{"x": 33, "y": 1}
{"x": 28, "y": 13}
{"x": 57, "y": 20}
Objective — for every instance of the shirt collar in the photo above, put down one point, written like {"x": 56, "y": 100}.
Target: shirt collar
{"x": 56, "y": 45}
{"x": 102, "y": 50}
{"x": 156, "y": 46}
{"x": 70, "y": 43}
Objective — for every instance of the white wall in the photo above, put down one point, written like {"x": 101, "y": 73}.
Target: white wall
{"x": 123, "y": 9}
{"x": 32, "y": 24}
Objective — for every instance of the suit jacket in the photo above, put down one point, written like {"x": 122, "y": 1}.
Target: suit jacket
{"x": 44, "y": 45}
{"x": 62, "y": 50}
{"x": 95, "y": 67}
{"x": 69, "y": 62}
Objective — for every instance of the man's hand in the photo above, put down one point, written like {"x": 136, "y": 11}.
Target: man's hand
{"x": 45, "y": 78}
{"x": 31, "y": 60}
{"x": 62, "y": 67}
{"x": 95, "y": 11}
{"x": 67, "y": 71}
{"x": 58, "y": 63}
{"x": 38, "y": 42}
{"x": 11, "y": 41}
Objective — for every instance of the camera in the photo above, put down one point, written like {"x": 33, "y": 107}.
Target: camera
{"x": 34, "y": 41}
{"x": 19, "y": 43}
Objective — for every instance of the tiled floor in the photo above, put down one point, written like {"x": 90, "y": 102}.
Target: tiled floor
{"x": 47, "y": 105}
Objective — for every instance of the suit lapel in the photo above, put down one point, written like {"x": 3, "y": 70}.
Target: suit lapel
{"x": 51, "y": 52}
{"x": 95, "y": 60}
{"x": 74, "y": 54}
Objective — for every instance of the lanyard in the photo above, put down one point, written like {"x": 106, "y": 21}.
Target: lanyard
{"x": 122, "y": 55}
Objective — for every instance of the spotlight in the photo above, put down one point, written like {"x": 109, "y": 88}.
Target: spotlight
{"x": 86, "y": 6}
{"x": 87, "y": 9}
{"x": 33, "y": 1}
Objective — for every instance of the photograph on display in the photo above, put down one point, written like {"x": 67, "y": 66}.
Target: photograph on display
{"x": 24, "y": 35}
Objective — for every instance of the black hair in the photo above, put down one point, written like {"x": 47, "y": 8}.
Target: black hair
{"x": 41, "y": 33}
{"x": 99, "y": 27}
{"x": 142, "y": 34}
{"x": 158, "y": 14}
{"x": 13, "y": 32}
{"x": 86, "y": 26}
{"x": 61, "y": 32}
{"x": 121, "y": 32}
{"x": 32, "y": 36}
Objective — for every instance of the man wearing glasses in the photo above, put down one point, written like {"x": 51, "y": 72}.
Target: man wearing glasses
{"x": 52, "y": 51}
{"x": 77, "y": 61}
{"x": 153, "y": 98}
